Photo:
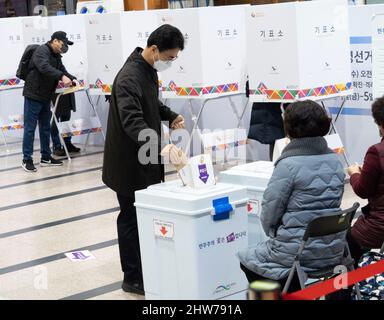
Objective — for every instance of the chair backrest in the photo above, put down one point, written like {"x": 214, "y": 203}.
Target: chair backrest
{"x": 331, "y": 224}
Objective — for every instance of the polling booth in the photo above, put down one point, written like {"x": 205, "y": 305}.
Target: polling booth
{"x": 76, "y": 61}
{"x": 111, "y": 38}
{"x": 212, "y": 65}
{"x": 291, "y": 57}
{"x": 356, "y": 112}
{"x": 16, "y": 34}
{"x": 299, "y": 58}
{"x": 190, "y": 231}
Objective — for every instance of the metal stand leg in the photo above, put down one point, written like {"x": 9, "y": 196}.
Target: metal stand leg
{"x": 333, "y": 125}
{"x": 241, "y": 116}
{"x": 54, "y": 119}
{"x": 4, "y": 138}
{"x": 86, "y": 142}
{"x": 94, "y": 109}
{"x": 195, "y": 119}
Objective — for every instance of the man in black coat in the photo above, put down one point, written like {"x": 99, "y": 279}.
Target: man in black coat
{"x": 135, "y": 114}
{"x": 45, "y": 71}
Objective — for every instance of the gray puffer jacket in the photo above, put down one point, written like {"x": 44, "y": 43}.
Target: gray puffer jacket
{"x": 308, "y": 182}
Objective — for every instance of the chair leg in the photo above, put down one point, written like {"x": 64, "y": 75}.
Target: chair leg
{"x": 289, "y": 280}
{"x": 357, "y": 290}
{"x": 302, "y": 278}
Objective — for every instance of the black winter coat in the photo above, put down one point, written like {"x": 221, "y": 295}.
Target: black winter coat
{"x": 266, "y": 123}
{"x": 46, "y": 69}
{"x": 67, "y": 103}
{"x": 134, "y": 106}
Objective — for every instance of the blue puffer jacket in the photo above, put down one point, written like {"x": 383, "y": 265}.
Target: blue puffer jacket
{"x": 308, "y": 181}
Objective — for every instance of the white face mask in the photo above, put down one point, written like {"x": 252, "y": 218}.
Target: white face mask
{"x": 161, "y": 65}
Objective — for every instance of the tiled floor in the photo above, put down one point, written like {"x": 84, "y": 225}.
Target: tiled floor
{"x": 56, "y": 210}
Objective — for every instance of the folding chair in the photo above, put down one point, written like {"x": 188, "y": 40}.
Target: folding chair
{"x": 321, "y": 227}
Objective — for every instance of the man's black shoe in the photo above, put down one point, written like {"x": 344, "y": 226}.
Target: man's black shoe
{"x": 72, "y": 148}
{"x": 50, "y": 162}
{"x": 133, "y": 287}
{"x": 28, "y": 166}
{"x": 59, "y": 152}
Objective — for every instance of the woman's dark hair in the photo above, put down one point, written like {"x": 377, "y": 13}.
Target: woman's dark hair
{"x": 378, "y": 111}
{"x": 166, "y": 37}
{"x": 306, "y": 119}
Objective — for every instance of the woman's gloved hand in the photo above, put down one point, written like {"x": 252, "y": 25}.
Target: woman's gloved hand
{"x": 175, "y": 155}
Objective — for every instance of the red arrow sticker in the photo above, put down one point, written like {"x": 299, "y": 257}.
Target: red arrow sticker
{"x": 163, "y": 229}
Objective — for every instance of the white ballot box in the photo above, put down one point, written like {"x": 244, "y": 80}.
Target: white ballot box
{"x": 213, "y": 61}
{"x": 255, "y": 177}
{"x": 298, "y": 50}
{"x": 189, "y": 239}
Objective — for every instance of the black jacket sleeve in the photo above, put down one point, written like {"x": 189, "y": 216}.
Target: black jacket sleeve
{"x": 128, "y": 100}
{"x": 41, "y": 62}
{"x": 166, "y": 113}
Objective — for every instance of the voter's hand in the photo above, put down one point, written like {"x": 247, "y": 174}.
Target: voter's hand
{"x": 354, "y": 169}
{"x": 75, "y": 83}
{"x": 66, "y": 81}
{"x": 175, "y": 155}
{"x": 178, "y": 123}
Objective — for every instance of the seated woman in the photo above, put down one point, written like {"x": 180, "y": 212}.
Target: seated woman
{"x": 307, "y": 182}
{"x": 368, "y": 183}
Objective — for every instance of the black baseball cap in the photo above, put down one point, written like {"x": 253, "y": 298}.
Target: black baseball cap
{"x": 61, "y": 35}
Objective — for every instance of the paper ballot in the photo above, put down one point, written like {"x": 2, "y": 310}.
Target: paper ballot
{"x": 198, "y": 172}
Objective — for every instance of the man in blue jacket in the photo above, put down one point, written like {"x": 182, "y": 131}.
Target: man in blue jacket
{"x": 45, "y": 71}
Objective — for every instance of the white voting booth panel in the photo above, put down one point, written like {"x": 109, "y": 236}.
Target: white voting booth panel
{"x": 187, "y": 252}
{"x": 36, "y": 30}
{"x": 213, "y": 61}
{"x": 229, "y": 144}
{"x": 255, "y": 177}
{"x": 12, "y": 122}
{"x": 75, "y": 61}
{"x": 333, "y": 141}
{"x": 79, "y": 127}
{"x": 111, "y": 38}
{"x": 136, "y": 27}
{"x": 298, "y": 50}
{"x": 12, "y": 46}
{"x": 105, "y": 54}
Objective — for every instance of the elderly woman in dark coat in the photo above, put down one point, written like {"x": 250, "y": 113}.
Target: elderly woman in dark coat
{"x": 368, "y": 183}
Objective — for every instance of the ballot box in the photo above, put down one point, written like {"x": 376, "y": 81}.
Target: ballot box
{"x": 298, "y": 50}
{"x": 255, "y": 177}
{"x": 189, "y": 239}
{"x": 213, "y": 61}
